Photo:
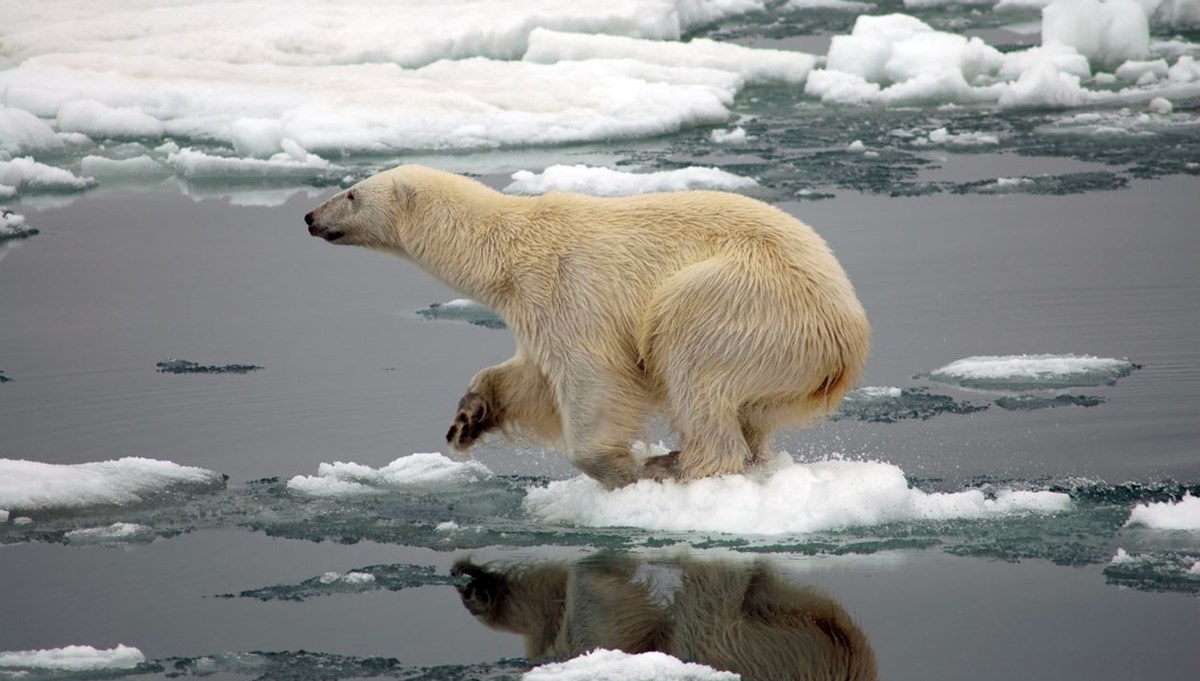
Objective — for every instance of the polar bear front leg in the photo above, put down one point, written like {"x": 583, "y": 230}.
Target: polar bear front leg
{"x": 514, "y": 396}
{"x": 602, "y": 414}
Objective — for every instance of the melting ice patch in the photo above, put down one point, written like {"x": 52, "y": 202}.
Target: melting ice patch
{"x": 608, "y": 182}
{"x": 876, "y": 404}
{"x": 73, "y": 658}
{"x": 1155, "y": 571}
{"x": 1181, "y": 515}
{"x": 462, "y": 310}
{"x": 615, "y": 665}
{"x": 396, "y": 577}
{"x": 13, "y": 227}
{"x": 784, "y": 497}
{"x": 416, "y": 470}
{"x": 1032, "y": 372}
{"x": 36, "y": 486}
{"x": 173, "y": 365}
{"x": 116, "y": 533}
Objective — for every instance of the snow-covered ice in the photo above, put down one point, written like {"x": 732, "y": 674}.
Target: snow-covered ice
{"x": 783, "y": 497}
{"x": 407, "y": 472}
{"x": 73, "y": 658}
{"x": 1181, "y": 515}
{"x": 608, "y": 182}
{"x": 1032, "y": 372}
{"x": 615, "y": 665}
{"x": 36, "y": 486}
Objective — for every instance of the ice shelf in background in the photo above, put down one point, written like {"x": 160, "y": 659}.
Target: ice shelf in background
{"x": 608, "y": 182}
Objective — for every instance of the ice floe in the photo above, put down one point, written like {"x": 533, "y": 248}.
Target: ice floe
{"x": 783, "y": 497}
{"x": 462, "y": 310}
{"x": 36, "y": 486}
{"x": 13, "y": 227}
{"x": 73, "y": 658}
{"x": 614, "y": 665}
{"x": 173, "y": 365}
{"x": 416, "y": 470}
{"x": 1032, "y": 372}
{"x": 1181, "y": 515}
{"x": 608, "y": 182}
{"x": 1155, "y": 571}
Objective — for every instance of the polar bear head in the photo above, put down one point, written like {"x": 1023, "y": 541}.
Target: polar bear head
{"x": 371, "y": 213}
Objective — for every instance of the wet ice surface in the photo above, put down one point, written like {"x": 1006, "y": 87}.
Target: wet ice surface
{"x": 976, "y": 228}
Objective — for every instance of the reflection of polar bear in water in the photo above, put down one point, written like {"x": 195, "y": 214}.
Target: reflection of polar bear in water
{"x": 742, "y": 618}
{"x": 728, "y": 316}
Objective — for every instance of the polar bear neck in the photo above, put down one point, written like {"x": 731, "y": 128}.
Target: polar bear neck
{"x": 475, "y": 239}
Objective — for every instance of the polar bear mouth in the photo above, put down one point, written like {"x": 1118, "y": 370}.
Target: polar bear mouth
{"x": 332, "y": 236}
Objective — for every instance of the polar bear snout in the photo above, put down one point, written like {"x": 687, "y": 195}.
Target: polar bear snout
{"x": 321, "y": 231}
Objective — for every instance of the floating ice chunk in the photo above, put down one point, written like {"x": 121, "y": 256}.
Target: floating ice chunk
{"x": 194, "y": 164}
{"x": 31, "y": 485}
{"x": 13, "y": 227}
{"x": 448, "y": 526}
{"x": 856, "y": 147}
{"x": 784, "y": 498}
{"x": 109, "y": 533}
{"x": 963, "y": 139}
{"x": 415, "y": 470}
{"x": 923, "y": 4}
{"x": 1154, "y": 571}
{"x": 171, "y": 365}
{"x": 25, "y": 173}
{"x": 1044, "y": 85}
{"x": 1065, "y": 57}
{"x": 73, "y": 658}
{"x": 22, "y": 520}
{"x": 754, "y": 65}
{"x": 22, "y": 133}
{"x": 1032, "y": 372}
{"x": 1160, "y": 105}
{"x": 139, "y": 167}
{"x": 463, "y": 310}
{"x": 607, "y": 182}
{"x": 889, "y": 405}
{"x": 696, "y": 13}
{"x": 615, "y": 665}
{"x": 735, "y": 136}
{"x": 1181, "y": 515}
{"x": 96, "y": 119}
{"x": 1105, "y": 31}
{"x": 1133, "y": 70}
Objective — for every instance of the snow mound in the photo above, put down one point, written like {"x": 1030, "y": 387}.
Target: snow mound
{"x": 756, "y": 66}
{"x": 35, "y": 486}
{"x": 614, "y": 665}
{"x": 1032, "y": 372}
{"x": 784, "y": 497}
{"x": 607, "y": 182}
{"x": 407, "y": 472}
{"x": 73, "y": 658}
{"x": 1181, "y": 515}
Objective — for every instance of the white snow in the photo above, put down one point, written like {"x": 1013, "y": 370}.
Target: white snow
{"x": 116, "y": 531}
{"x": 1181, "y": 515}
{"x": 351, "y": 578}
{"x": 407, "y": 472}
{"x": 608, "y": 182}
{"x": 31, "y": 485}
{"x": 73, "y": 658}
{"x": 615, "y": 665}
{"x": 26, "y": 173}
{"x": 757, "y": 66}
{"x": 1002, "y": 371}
{"x": 784, "y": 497}
{"x": 734, "y": 136}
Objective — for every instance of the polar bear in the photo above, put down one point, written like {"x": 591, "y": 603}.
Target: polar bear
{"x": 721, "y": 313}
{"x": 739, "y": 617}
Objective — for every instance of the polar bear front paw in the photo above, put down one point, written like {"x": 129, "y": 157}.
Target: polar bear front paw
{"x": 474, "y": 418}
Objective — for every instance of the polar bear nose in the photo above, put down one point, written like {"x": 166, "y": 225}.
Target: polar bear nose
{"x": 308, "y": 219}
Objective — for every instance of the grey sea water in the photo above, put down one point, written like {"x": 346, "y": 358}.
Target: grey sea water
{"x": 199, "y": 323}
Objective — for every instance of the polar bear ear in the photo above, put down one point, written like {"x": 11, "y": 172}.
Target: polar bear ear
{"x": 405, "y": 193}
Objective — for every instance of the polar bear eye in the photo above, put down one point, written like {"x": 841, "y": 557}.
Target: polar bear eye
{"x": 350, "y": 196}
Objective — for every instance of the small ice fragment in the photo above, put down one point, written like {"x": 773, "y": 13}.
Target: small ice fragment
{"x": 615, "y": 665}
{"x": 1121, "y": 557}
{"x": 735, "y": 136}
{"x": 1161, "y": 106}
{"x": 329, "y": 577}
{"x": 448, "y": 526}
{"x": 1181, "y": 515}
{"x": 856, "y": 147}
{"x": 358, "y": 578}
{"x": 73, "y": 658}
{"x": 22, "y": 520}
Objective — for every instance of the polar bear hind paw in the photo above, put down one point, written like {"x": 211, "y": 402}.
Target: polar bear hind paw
{"x": 660, "y": 468}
